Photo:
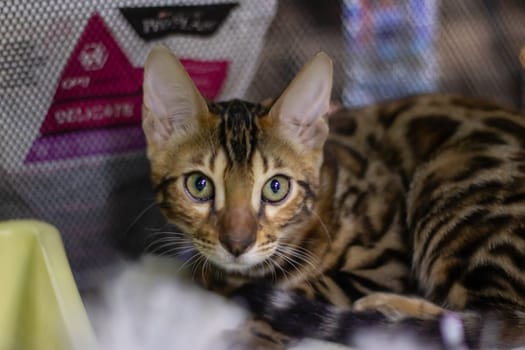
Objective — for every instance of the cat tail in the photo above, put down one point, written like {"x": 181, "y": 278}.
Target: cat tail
{"x": 298, "y": 317}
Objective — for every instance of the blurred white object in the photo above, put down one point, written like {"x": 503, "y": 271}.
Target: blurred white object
{"x": 150, "y": 305}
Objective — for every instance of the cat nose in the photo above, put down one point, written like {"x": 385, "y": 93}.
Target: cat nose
{"x": 237, "y": 247}
{"x": 237, "y": 230}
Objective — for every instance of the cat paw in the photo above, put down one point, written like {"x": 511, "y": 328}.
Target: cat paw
{"x": 397, "y": 307}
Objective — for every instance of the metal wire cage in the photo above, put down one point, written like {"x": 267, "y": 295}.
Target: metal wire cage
{"x": 70, "y": 76}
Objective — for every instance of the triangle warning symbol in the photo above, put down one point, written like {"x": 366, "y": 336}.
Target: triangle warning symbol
{"x": 99, "y": 70}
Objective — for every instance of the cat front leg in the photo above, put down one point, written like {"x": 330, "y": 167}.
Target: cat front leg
{"x": 397, "y": 307}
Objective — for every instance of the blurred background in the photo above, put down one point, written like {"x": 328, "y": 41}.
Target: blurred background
{"x": 72, "y": 149}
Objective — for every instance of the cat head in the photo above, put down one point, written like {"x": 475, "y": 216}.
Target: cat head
{"x": 239, "y": 179}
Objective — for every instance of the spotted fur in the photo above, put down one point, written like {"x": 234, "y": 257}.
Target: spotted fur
{"x": 406, "y": 210}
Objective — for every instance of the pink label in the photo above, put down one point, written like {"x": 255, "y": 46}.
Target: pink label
{"x": 92, "y": 113}
{"x": 208, "y": 76}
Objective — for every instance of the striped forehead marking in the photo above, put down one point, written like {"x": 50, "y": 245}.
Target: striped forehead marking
{"x": 238, "y": 128}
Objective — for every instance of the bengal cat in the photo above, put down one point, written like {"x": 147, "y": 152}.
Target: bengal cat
{"x": 402, "y": 212}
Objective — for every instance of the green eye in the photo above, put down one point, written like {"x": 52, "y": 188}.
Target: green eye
{"x": 276, "y": 189}
{"x": 199, "y": 186}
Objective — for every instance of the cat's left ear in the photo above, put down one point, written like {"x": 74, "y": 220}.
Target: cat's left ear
{"x": 301, "y": 108}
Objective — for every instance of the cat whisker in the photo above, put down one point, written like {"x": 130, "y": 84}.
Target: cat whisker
{"x": 300, "y": 253}
{"x": 165, "y": 227}
{"x": 323, "y": 226}
{"x": 203, "y": 270}
{"x": 267, "y": 264}
{"x": 170, "y": 240}
{"x": 174, "y": 252}
{"x": 288, "y": 260}
{"x": 162, "y": 239}
{"x": 189, "y": 262}
{"x": 177, "y": 246}
{"x": 295, "y": 247}
{"x": 160, "y": 235}
{"x": 306, "y": 257}
{"x": 139, "y": 216}
{"x": 171, "y": 250}
{"x": 283, "y": 271}
{"x": 195, "y": 264}
{"x": 294, "y": 263}
{"x": 171, "y": 233}
{"x": 201, "y": 264}
{"x": 167, "y": 241}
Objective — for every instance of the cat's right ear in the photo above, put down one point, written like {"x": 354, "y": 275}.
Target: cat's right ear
{"x": 304, "y": 103}
{"x": 172, "y": 104}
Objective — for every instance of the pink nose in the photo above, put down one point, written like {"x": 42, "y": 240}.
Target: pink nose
{"x": 237, "y": 247}
{"x": 237, "y": 230}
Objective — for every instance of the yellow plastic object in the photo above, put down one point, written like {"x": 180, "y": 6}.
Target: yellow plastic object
{"x": 40, "y": 307}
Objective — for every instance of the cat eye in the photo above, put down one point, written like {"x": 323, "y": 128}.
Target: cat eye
{"x": 199, "y": 186}
{"x": 276, "y": 189}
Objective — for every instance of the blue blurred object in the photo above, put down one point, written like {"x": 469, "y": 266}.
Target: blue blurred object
{"x": 390, "y": 49}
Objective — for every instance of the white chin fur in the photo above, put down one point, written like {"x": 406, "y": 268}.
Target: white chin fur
{"x": 243, "y": 263}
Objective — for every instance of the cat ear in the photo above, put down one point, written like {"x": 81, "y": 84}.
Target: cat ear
{"x": 172, "y": 104}
{"x": 302, "y": 106}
